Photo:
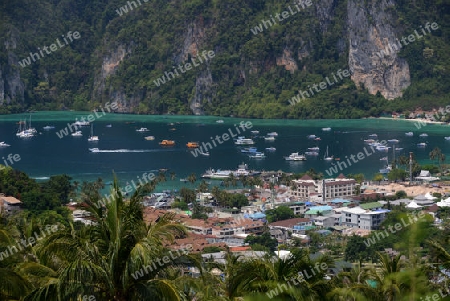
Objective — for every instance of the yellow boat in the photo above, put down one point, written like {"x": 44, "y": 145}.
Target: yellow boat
{"x": 150, "y": 138}
{"x": 192, "y": 144}
{"x": 167, "y": 143}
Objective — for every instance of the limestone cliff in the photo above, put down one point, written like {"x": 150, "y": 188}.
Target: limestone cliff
{"x": 370, "y": 31}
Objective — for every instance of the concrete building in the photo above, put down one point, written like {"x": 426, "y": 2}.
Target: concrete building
{"x": 9, "y": 204}
{"x": 321, "y": 190}
{"x": 367, "y": 216}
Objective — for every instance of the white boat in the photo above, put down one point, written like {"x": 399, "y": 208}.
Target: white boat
{"x": 149, "y": 138}
{"x": 422, "y": 144}
{"x": 274, "y": 134}
{"x": 48, "y": 127}
{"x": 398, "y": 149}
{"x": 327, "y": 157}
{"x": 311, "y": 153}
{"x": 81, "y": 123}
{"x": 271, "y": 149}
{"x": 244, "y": 141}
{"x": 373, "y": 135}
{"x": 255, "y": 132}
{"x": 295, "y": 157}
{"x": 223, "y": 174}
{"x": 423, "y": 135}
{"x": 447, "y": 138}
{"x": 109, "y": 125}
{"x": 77, "y": 134}
{"x": 92, "y": 138}
{"x": 393, "y": 140}
{"x": 219, "y": 121}
{"x": 384, "y": 159}
{"x": 142, "y": 130}
{"x": 311, "y": 136}
{"x": 25, "y": 132}
{"x": 326, "y": 129}
{"x": 3, "y": 144}
{"x": 257, "y": 155}
{"x": 409, "y": 134}
{"x": 382, "y": 148}
{"x": 94, "y": 150}
{"x": 314, "y": 149}
{"x": 269, "y": 138}
{"x": 386, "y": 169}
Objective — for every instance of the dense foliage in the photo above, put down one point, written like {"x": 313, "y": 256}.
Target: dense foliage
{"x": 246, "y": 81}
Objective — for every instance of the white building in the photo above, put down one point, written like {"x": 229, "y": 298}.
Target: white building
{"x": 366, "y": 219}
{"x": 307, "y": 188}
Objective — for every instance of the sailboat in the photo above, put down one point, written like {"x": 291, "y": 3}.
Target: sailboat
{"x": 25, "y": 132}
{"x": 326, "y": 157}
{"x": 92, "y": 138}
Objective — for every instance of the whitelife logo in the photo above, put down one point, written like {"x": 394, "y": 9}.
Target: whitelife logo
{"x": 206, "y": 146}
{"x": 169, "y": 75}
{"x": 35, "y": 56}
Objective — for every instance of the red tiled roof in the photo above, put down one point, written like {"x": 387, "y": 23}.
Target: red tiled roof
{"x": 289, "y": 223}
{"x": 306, "y": 177}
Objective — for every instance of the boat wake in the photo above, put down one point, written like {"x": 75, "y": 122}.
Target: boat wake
{"x": 96, "y": 150}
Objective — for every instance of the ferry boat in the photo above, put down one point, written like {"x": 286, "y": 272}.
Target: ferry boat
{"x": 167, "y": 143}
{"x": 244, "y": 141}
{"x": 223, "y": 174}
{"x": 192, "y": 144}
{"x": 295, "y": 157}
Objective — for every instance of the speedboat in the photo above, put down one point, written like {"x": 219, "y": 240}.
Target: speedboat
{"x": 384, "y": 159}
{"x": 142, "y": 130}
{"x": 48, "y": 127}
{"x": 447, "y": 138}
{"x": 398, "y": 149}
{"x": 81, "y": 123}
{"x": 167, "y": 143}
{"x": 423, "y": 135}
{"x": 315, "y": 149}
{"x": 269, "y": 138}
{"x": 409, "y": 134}
{"x": 94, "y": 150}
{"x": 219, "y": 121}
{"x": 369, "y": 141}
{"x": 77, "y": 134}
{"x": 295, "y": 157}
{"x": 109, "y": 125}
{"x": 3, "y": 144}
{"x": 271, "y": 149}
{"x": 373, "y": 135}
{"x": 257, "y": 155}
{"x": 192, "y": 144}
{"x": 149, "y": 138}
{"x": 422, "y": 144}
{"x": 326, "y": 129}
{"x": 311, "y": 136}
{"x": 274, "y": 134}
{"x": 243, "y": 141}
{"x": 382, "y": 148}
{"x": 254, "y": 132}
{"x": 317, "y": 139}
{"x": 393, "y": 141}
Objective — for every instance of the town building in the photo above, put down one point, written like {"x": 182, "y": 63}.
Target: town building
{"x": 9, "y": 204}
{"x": 321, "y": 190}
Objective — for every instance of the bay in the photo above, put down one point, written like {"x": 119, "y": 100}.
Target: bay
{"x": 46, "y": 154}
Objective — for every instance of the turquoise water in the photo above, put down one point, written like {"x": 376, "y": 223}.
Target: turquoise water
{"x": 46, "y": 154}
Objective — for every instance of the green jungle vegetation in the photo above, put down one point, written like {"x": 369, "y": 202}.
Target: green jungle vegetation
{"x": 105, "y": 261}
{"x": 246, "y": 80}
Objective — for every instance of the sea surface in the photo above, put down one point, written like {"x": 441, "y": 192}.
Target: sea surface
{"x": 126, "y": 153}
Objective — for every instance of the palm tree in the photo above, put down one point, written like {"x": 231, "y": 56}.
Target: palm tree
{"x": 105, "y": 259}
{"x": 437, "y": 154}
{"x": 172, "y": 175}
{"x": 192, "y": 178}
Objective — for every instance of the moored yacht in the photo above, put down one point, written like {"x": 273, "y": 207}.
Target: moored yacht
{"x": 244, "y": 141}
{"x": 77, "y": 134}
{"x": 223, "y": 174}
{"x": 3, "y": 144}
{"x": 295, "y": 157}
{"x": 409, "y": 134}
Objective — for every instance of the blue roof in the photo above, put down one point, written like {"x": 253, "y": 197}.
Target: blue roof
{"x": 321, "y": 208}
{"x": 257, "y": 215}
{"x": 308, "y": 203}
{"x": 339, "y": 201}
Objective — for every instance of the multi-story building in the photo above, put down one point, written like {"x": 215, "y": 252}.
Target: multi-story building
{"x": 367, "y": 216}
{"x": 327, "y": 189}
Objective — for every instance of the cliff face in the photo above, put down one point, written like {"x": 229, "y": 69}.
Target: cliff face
{"x": 370, "y": 32}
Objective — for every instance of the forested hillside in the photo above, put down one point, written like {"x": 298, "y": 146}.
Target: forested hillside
{"x": 124, "y": 47}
